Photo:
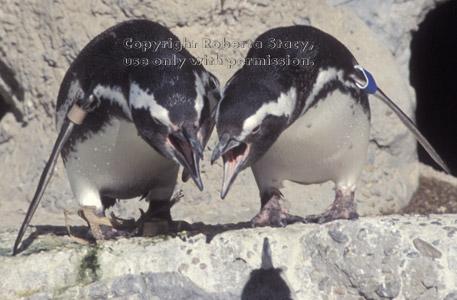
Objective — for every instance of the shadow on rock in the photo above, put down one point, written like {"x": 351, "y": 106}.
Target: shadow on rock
{"x": 43, "y": 230}
{"x": 267, "y": 282}
{"x": 210, "y": 231}
{"x": 83, "y": 232}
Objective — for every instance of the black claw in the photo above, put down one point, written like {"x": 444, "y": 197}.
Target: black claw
{"x": 253, "y": 224}
{"x": 329, "y": 216}
{"x": 178, "y": 226}
{"x": 318, "y": 219}
{"x": 311, "y": 219}
{"x": 278, "y": 222}
{"x": 325, "y": 219}
{"x": 353, "y": 216}
{"x": 295, "y": 219}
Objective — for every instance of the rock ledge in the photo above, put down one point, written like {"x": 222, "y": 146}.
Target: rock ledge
{"x": 401, "y": 257}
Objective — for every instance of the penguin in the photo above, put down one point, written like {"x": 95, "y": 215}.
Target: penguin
{"x": 143, "y": 108}
{"x": 298, "y": 110}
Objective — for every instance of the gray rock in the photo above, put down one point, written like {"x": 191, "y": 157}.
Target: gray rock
{"x": 451, "y": 296}
{"x": 388, "y": 289}
{"x": 208, "y": 265}
{"x": 426, "y": 249}
{"x": 429, "y": 294}
{"x": 40, "y": 296}
{"x": 393, "y": 22}
{"x": 338, "y": 236}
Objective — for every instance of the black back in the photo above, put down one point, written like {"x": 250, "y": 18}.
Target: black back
{"x": 256, "y": 83}
{"x": 102, "y": 62}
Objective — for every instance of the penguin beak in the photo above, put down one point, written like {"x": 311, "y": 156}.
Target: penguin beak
{"x": 188, "y": 150}
{"x": 234, "y": 153}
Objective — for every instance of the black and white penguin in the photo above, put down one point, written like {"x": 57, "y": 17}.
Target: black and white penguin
{"x": 151, "y": 110}
{"x": 298, "y": 110}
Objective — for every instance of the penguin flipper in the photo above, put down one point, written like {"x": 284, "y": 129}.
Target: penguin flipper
{"x": 46, "y": 175}
{"x": 74, "y": 117}
{"x": 412, "y": 127}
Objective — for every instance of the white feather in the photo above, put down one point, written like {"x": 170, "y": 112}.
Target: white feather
{"x": 140, "y": 98}
{"x": 114, "y": 95}
{"x": 200, "y": 89}
{"x": 324, "y": 77}
{"x": 284, "y": 106}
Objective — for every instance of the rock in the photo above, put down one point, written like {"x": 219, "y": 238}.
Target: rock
{"x": 205, "y": 265}
{"x": 426, "y": 249}
{"x": 338, "y": 236}
{"x": 388, "y": 290}
{"x": 392, "y": 21}
{"x": 451, "y": 296}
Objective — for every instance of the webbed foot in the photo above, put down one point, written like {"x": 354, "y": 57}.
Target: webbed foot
{"x": 157, "y": 219}
{"x": 341, "y": 209}
{"x": 101, "y": 227}
{"x": 274, "y": 214}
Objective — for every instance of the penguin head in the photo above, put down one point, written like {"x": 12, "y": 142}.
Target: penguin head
{"x": 249, "y": 119}
{"x": 172, "y": 112}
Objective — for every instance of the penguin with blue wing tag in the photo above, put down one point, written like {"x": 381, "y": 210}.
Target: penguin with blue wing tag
{"x": 142, "y": 109}
{"x": 299, "y": 114}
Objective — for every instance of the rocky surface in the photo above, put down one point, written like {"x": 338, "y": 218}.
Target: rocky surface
{"x": 392, "y": 21}
{"x": 391, "y": 257}
{"x": 436, "y": 194}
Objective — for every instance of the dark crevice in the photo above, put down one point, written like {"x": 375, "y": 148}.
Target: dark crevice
{"x": 4, "y": 107}
{"x": 433, "y": 69}
{"x": 9, "y": 77}
{"x": 13, "y": 89}
{"x": 382, "y": 147}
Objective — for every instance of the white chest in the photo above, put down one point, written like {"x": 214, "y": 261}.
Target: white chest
{"x": 118, "y": 163}
{"x": 328, "y": 142}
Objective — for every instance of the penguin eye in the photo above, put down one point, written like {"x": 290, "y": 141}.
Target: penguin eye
{"x": 256, "y": 129}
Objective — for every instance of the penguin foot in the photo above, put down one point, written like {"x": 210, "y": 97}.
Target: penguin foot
{"x": 100, "y": 227}
{"x": 156, "y": 226}
{"x": 274, "y": 214}
{"x": 157, "y": 219}
{"x": 341, "y": 209}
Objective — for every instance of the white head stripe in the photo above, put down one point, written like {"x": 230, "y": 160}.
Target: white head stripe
{"x": 323, "y": 78}
{"x": 284, "y": 106}
{"x": 113, "y": 94}
{"x": 200, "y": 90}
{"x": 140, "y": 98}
